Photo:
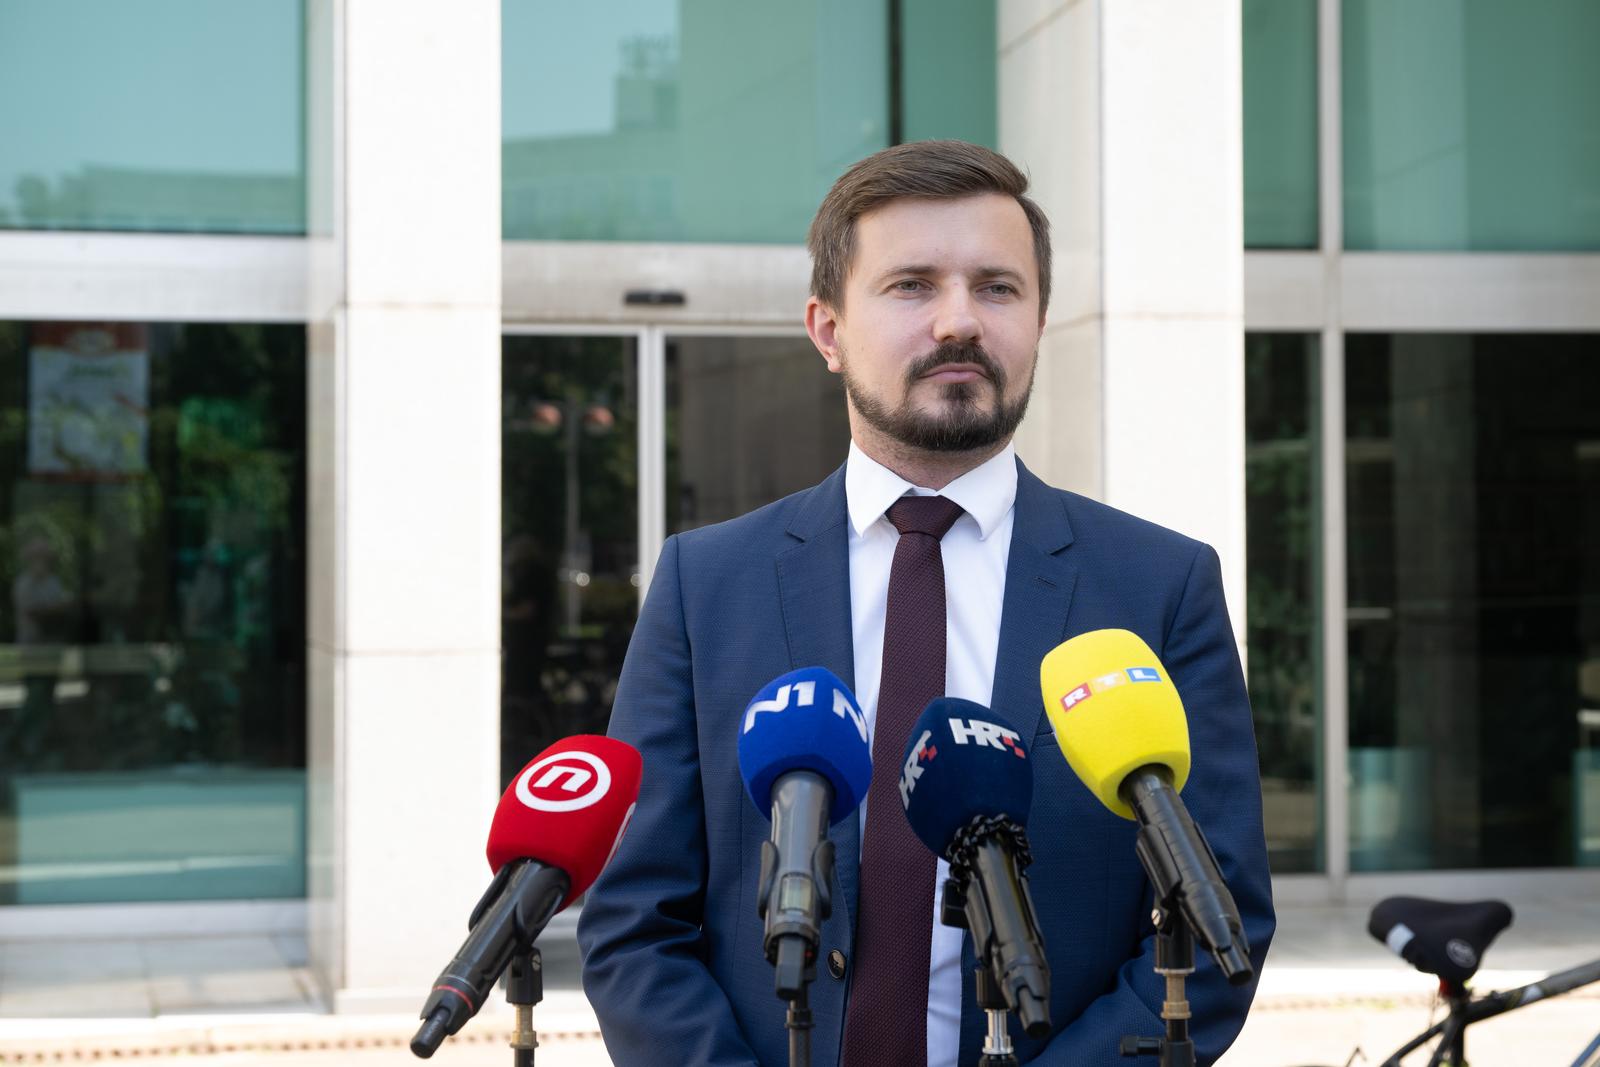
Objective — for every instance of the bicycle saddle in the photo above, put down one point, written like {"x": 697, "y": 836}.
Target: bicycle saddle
{"x": 1437, "y": 936}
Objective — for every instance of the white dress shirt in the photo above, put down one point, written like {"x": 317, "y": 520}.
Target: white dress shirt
{"x": 975, "y": 552}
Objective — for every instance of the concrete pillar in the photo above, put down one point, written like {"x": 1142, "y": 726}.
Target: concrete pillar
{"x": 1127, "y": 116}
{"x": 404, "y": 523}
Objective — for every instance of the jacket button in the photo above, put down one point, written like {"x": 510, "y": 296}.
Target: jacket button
{"x": 836, "y": 963}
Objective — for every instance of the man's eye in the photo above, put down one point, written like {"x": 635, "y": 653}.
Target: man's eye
{"x": 908, "y": 285}
{"x": 1002, "y": 289}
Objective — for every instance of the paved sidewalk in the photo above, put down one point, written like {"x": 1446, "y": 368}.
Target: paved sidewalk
{"x": 1328, "y": 989}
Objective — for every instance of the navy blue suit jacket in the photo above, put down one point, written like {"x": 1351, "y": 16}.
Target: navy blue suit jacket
{"x": 671, "y": 941}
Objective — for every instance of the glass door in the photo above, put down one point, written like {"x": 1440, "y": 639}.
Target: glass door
{"x": 611, "y": 439}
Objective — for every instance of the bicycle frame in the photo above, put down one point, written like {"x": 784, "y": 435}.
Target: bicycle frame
{"x": 1466, "y": 1010}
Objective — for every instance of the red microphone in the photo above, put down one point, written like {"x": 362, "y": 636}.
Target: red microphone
{"x": 558, "y": 823}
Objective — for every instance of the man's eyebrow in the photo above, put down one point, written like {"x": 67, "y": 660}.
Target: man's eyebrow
{"x": 927, "y": 268}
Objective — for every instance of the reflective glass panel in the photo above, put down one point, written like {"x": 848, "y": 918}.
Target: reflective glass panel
{"x": 1280, "y": 123}
{"x": 749, "y": 420}
{"x": 1473, "y": 480}
{"x": 697, "y": 120}
{"x": 152, "y": 687}
{"x": 1471, "y": 125}
{"x": 947, "y": 71}
{"x": 182, "y": 115}
{"x": 569, "y": 535}
{"x": 1282, "y": 589}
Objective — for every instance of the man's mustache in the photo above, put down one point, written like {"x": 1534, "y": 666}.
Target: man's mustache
{"x": 957, "y": 352}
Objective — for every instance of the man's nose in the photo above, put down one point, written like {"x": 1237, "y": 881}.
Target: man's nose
{"x": 956, "y": 317}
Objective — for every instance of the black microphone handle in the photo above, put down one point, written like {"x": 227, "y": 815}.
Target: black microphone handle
{"x": 1005, "y": 931}
{"x": 796, "y": 867}
{"x": 513, "y": 912}
{"x": 1177, "y": 858}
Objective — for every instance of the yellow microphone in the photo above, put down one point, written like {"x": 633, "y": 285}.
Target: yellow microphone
{"x": 1120, "y": 723}
{"x": 1114, "y": 709}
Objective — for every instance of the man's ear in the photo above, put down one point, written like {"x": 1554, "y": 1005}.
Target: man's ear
{"x": 822, "y": 323}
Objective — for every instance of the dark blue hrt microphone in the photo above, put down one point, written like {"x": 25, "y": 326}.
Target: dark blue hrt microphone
{"x": 967, "y": 784}
{"x": 806, "y": 763}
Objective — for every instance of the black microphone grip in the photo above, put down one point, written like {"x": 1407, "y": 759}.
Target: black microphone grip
{"x": 796, "y": 869}
{"x": 1179, "y": 860}
{"x": 524, "y": 896}
{"x": 1005, "y": 932}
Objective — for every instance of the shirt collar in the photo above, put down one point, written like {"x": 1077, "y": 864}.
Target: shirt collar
{"x": 986, "y": 493}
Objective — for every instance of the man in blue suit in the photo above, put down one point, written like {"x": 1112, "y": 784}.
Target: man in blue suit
{"x": 930, "y": 284}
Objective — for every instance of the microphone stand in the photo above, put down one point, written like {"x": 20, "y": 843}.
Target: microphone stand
{"x": 964, "y": 857}
{"x": 524, "y": 989}
{"x": 1175, "y": 963}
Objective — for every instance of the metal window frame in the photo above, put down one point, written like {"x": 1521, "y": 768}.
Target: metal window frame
{"x": 1330, "y": 292}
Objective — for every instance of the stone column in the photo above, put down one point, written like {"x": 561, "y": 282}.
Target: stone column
{"x": 404, "y": 524}
{"x": 1127, "y": 115}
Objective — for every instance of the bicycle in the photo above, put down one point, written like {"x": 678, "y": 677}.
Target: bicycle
{"x": 1448, "y": 940}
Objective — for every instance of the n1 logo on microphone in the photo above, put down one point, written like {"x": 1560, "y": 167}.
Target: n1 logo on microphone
{"x": 978, "y": 732}
{"x": 805, "y": 695}
{"x": 566, "y": 781}
{"x": 921, "y": 752}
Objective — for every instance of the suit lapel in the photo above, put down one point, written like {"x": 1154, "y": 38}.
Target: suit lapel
{"x": 814, "y": 587}
{"x": 1040, "y": 576}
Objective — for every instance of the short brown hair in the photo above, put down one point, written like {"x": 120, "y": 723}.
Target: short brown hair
{"x": 928, "y": 170}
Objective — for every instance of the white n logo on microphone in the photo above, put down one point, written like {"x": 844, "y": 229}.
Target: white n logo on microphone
{"x": 576, "y": 778}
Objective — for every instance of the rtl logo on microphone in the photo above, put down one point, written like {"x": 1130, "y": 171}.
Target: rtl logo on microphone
{"x": 565, "y": 781}
{"x": 1078, "y": 694}
{"x": 921, "y": 753}
{"x": 978, "y": 732}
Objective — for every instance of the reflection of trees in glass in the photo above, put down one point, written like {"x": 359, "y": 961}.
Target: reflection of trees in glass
{"x": 1281, "y": 588}
{"x": 569, "y": 534}
{"x": 185, "y": 642}
{"x": 125, "y": 198}
{"x": 1282, "y": 531}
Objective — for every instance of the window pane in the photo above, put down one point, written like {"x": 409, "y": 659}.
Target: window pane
{"x": 749, "y": 420}
{"x": 700, "y": 120}
{"x": 1474, "y": 600}
{"x": 570, "y": 535}
{"x": 1283, "y": 591}
{"x": 1280, "y": 123}
{"x": 152, "y": 532}
{"x": 173, "y": 116}
{"x": 1471, "y": 125}
{"x": 947, "y": 70}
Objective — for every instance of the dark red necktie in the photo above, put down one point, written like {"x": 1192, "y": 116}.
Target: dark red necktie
{"x": 887, "y": 1016}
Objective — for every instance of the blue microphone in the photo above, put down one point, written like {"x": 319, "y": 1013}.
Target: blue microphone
{"x": 967, "y": 785}
{"x": 806, "y": 763}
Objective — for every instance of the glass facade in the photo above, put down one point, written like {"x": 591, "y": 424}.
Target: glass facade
{"x": 152, "y": 687}
{"x": 946, "y": 52}
{"x": 1473, "y": 488}
{"x": 719, "y": 121}
{"x": 1471, "y": 125}
{"x": 1283, "y": 590}
{"x": 156, "y": 117}
{"x": 749, "y": 420}
{"x": 570, "y": 535}
{"x": 1280, "y": 123}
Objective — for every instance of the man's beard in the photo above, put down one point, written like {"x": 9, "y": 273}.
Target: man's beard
{"x": 964, "y": 425}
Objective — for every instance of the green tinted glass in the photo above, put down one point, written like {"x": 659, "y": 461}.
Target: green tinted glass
{"x": 182, "y": 115}
{"x": 947, "y": 71}
{"x": 1471, "y": 125}
{"x": 1280, "y": 123}
{"x": 1473, "y": 494}
{"x": 1283, "y": 591}
{"x": 700, "y": 120}
{"x": 152, "y": 647}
